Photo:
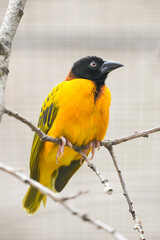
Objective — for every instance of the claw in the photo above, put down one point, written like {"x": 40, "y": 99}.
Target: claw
{"x": 61, "y": 147}
{"x": 98, "y": 144}
{"x": 93, "y": 150}
{"x": 69, "y": 143}
{"x": 94, "y": 144}
{"x": 81, "y": 160}
{"x": 90, "y": 144}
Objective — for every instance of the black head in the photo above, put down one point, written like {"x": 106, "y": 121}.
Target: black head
{"x": 94, "y": 68}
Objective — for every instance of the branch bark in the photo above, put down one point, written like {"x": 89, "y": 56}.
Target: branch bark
{"x": 138, "y": 224}
{"x": 136, "y": 134}
{"x": 107, "y": 144}
{"x": 7, "y": 32}
{"x": 63, "y": 201}
{"x": 107, "y": 186}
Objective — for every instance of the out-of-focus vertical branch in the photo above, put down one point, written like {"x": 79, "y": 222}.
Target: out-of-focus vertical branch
{"x": 7, "y": 32}
{"x": 138, "y": 225}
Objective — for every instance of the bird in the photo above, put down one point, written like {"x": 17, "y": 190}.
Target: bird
{"x": 77, "y": 112}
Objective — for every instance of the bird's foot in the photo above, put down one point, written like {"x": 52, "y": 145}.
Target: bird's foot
{"x": 60, "y": 151}
{"x": 94, "y": 144}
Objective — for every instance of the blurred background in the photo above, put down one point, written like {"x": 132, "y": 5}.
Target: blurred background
{"x": 51, "y": 36}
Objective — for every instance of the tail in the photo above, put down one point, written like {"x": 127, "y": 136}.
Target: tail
{"x": 32, "y": 200}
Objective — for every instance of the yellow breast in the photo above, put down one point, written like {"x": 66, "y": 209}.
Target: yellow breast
{"x": 80, "y": 118}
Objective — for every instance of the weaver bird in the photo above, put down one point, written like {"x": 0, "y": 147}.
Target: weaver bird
{"x": 77, "y": 111}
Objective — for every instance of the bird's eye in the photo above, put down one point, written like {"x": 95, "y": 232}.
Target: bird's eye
{"x": 93, "y": 64}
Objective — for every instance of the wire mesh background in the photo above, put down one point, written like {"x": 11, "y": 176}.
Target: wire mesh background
{"x": 51, "y": 36}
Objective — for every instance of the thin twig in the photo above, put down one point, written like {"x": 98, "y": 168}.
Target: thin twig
{"x": 63, "y": 201}
{"x": 109, "y": 143}
{"x": 35, "y": 129}
{"x": 105, "y": 143}
{"x": 97, "y": 223}
{"x": 138, "y": 224}
{"x": 107, "y": 186}
{"x": 73, "y": 196}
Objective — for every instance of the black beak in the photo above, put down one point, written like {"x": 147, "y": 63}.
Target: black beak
{"x": 109, "y": 66}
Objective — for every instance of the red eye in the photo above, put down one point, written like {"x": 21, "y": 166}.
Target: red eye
{"x": 93, "y": 64}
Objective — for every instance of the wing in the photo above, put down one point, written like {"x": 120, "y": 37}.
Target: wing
{"x": 61, "y": 176}
{"x": 47, "y": 116}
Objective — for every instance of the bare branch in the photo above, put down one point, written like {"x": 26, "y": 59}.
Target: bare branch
{"x": 98, "y": 224}
{"x": 138, "y": 224}
{"x": 108, "y": 189}
{"x": 107, "y": 186}
{"x": 62, "y": 200}
{"x": 35, "y": 129}
{"x": 105, "y": 143}
{"x": 109, "y": 143}
{"x": 73, "y": 196}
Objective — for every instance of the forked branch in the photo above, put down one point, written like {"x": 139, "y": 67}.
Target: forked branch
{"x": 107, "y": 144}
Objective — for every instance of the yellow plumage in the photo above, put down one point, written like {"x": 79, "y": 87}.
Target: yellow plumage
{"x": 79, "y": 118}
{"x": 80, "y": 121}
{"x": 77, "y": 109}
